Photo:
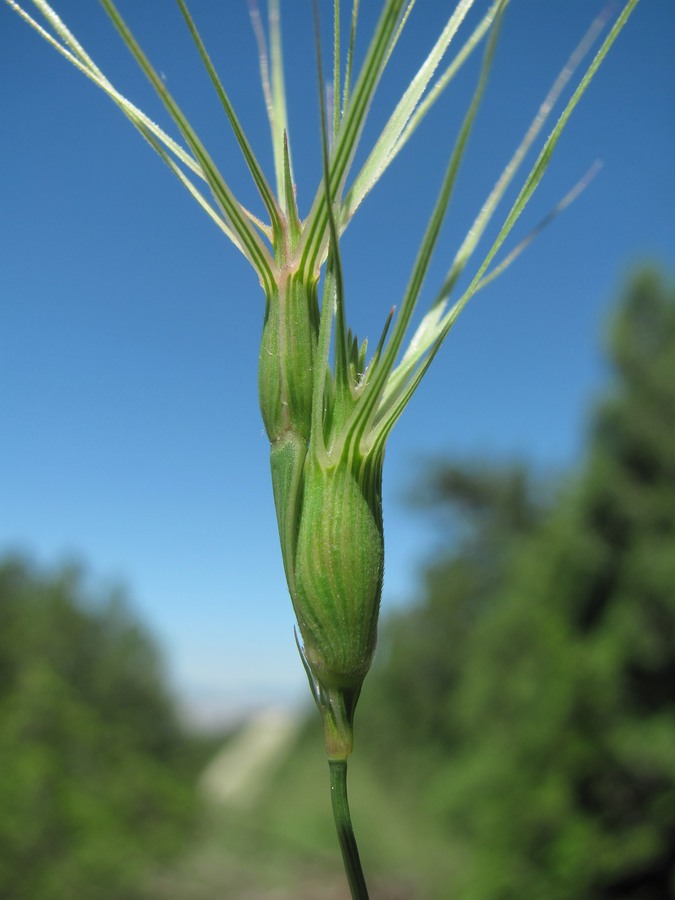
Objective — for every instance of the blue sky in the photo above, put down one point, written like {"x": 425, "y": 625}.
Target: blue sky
{"x": 131, "y": 437}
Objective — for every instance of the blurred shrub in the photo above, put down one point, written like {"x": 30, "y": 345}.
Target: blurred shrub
{"x": 93, "y": 777}
{"x": 530, "y": 698}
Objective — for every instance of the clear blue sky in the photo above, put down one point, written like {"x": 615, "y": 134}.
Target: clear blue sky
{"x": 130, "y": 436}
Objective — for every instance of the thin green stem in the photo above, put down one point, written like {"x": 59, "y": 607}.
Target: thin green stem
{"x": 343, "y": 824}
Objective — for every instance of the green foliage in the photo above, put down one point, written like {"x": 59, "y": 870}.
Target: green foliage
{"x": 279, "y": 840}
{"x": 94, "y": 785}
{"x": 531, "y": 696}
{"x": 423, "y": 654}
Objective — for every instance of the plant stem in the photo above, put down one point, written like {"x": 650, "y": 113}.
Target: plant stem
{"x": 343, "y": 824}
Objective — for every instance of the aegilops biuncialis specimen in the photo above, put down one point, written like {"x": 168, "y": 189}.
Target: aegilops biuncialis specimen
{"x": 328, "y": 404}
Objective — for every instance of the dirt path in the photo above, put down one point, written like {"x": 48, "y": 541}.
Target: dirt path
{"x": 245, "y": 765}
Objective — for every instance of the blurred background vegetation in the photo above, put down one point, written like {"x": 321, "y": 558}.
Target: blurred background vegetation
{"x": 516, "y": 738}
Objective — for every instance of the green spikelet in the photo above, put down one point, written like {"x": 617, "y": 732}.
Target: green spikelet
{"x": 338, "y": 572}
{"x": 286, "y": 362}
{"x": 339, "y": 568}
{"x": 328, "y": 499}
